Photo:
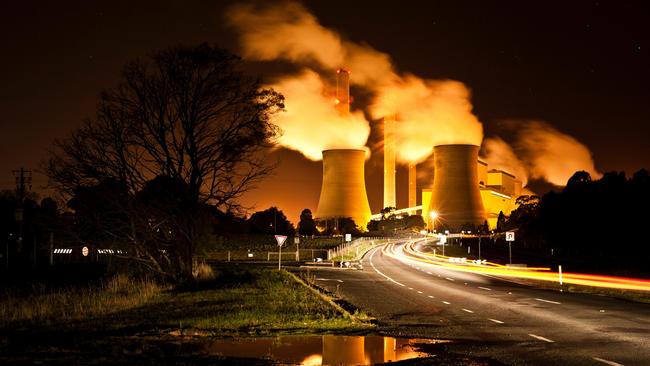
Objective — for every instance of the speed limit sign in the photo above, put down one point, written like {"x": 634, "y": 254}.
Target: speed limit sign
{"x": 510, "y": 236}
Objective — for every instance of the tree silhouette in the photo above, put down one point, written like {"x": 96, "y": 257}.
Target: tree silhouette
{"x": 270, "y": 221}
{"x": 188, "y": 114}
{"x": 307, "y": 225}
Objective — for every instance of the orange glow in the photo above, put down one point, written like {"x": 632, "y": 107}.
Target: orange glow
{"x": 409, "y": 252}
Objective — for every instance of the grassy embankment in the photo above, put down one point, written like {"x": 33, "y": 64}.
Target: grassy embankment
{"x": 239, "y": 301}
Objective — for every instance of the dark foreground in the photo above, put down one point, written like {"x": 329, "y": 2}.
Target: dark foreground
{"x": 122, "y": 324}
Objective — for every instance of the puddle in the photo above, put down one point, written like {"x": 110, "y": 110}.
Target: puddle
{"x": 323, "y": 350}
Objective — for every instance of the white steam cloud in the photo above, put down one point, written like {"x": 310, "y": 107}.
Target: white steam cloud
{"x": 499, "y": 155}
{"x": 428, "y": 112}
{"x": 540, "y": 152}
{"x": 310, "y": 124}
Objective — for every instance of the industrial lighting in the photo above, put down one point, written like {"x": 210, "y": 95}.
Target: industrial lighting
{"x": 433, "y": 215}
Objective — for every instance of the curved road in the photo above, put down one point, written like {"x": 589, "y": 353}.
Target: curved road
{"x": 495, "y": 318}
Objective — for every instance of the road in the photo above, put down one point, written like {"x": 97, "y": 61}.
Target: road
{"x": 493, "y": 317}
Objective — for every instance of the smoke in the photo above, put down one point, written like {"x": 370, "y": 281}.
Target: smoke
{"x": 539, "y": 152}
{"x": 310, "y": 124}
{"x": 287, "y": 31}
{"x": 552, "y": 155}
{"x": 428, "y": 112}
{"x": 499, "y": 155}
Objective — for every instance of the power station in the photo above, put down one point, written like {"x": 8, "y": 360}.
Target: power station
{"x": 464, "y": 193}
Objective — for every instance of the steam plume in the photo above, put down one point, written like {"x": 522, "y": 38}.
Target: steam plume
{"x": 552, "y": 155}
{"x": 539, "y": 152}
{"x": 499, "y": 155}
{"x": 310, "y": 123}
{"x": 429, "y": 112}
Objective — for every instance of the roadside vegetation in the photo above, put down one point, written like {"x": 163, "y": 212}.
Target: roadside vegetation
{"x": 236, "y": 301}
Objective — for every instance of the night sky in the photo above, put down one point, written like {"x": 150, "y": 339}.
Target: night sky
{"x": 580, "y": 66}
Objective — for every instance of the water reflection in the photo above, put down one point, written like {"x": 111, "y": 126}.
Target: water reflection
{"x": 322, "y": 350}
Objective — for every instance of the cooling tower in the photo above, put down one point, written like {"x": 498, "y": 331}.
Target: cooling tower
{"x": 343, "y": 193}
{"x": 455, "y": 195}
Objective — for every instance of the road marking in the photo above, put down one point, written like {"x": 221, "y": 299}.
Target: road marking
{"x": 450, "y": 279}
{"x": 431, "y": 296}
{"x": 378, "y": 271}
{"x": 485, "y": 288}
{"x": 446, "y": 302}
{"x": 340, "y": 281}
{"x": 541, "y": 338}
{"x": 496, "y": 321}
{"x": 429, "y": 273}
{"x": 549, "y": 301}
{"x": 467, "y": 311}
{"x": 612, "y": 363}
{"x": 419, "y": 292}
{"x": 410, "y": 288}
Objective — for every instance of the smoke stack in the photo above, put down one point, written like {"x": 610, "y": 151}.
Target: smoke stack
{"x": 343, "y": 91}
{"x": 412, "y": 185}
{"x": 455, "y": 196}
{"x": 389, "y": 162}
{"x": 343, "y": 193}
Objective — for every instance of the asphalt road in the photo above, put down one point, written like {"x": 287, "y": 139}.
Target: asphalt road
{"x": 487, "y": 316}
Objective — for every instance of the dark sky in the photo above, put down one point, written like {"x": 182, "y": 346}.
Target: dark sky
{"x": 582, "y": 66}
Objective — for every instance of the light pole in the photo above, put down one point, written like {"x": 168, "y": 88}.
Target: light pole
{"x": 434, "y": 216}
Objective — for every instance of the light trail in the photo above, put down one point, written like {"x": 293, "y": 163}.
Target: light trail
{"x": 410, "y": 253}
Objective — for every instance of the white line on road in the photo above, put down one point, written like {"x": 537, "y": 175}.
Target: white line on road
{"x": 410, "y": 288}
{"x": 340, "y": 281}
{"x": 541, "y": 338}
{"x": 612, "y": 363}
{"x": 446, "y": 302}
{"x": 431, "y": 297}
{"x": 496, "y": 321}
{"x": 467, "y": 311}
{"x": 485, "y": 288}
{"x": 376, "y": 270}
{"x": 429, "y": 273}
{"x": 419, "y": 292}
{"x": 549, "y": 301}
{"x": 450, "y": 279}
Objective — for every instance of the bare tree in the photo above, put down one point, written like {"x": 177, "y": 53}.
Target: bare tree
{"x": 188, "y": 114}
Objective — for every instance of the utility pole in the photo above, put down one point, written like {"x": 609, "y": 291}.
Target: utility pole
{"x": 23, "y": 183}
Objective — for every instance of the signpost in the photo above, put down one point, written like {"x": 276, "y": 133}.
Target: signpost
{"x": 443, "y": 240}
{"x": 280, "y": 239}
{"x": 510, "y": 237}
{"x": 348, "y": 237}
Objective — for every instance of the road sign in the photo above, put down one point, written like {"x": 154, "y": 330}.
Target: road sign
{"x": 442, "y": 239}
{"x": 510, "y": 236}
{"x": 84, "y": 251}
{"x": 348, "y": 237}
{"x": 280, "y": 239}
{"x": 296, "y": 240}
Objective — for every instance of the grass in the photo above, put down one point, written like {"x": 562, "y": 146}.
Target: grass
{"x": 44, "y": 307}
{"x": 126, "y": 321}
{"x": 237, "y": 301}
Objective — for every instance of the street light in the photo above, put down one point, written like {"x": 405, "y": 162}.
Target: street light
{"x": 433, "y": 215}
